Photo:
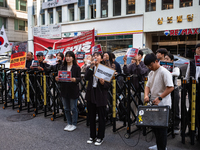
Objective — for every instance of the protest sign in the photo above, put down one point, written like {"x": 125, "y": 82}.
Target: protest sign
{"x": 104, "y": 72}
{"x": 82, "y": 43}
{"x": 80, "y": 55}
{"x": 132, "y": 52}
{"x": 197, "y": 60}
{"x": 18, "y": 56}
{"x": 168, "y": 65}
{"x": 64, "y": 76}
{"x": 35, "y": 64}
{"x": 96, "y": 48}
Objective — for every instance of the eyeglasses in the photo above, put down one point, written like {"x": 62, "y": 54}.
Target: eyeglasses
{"x": 150, "y": 66}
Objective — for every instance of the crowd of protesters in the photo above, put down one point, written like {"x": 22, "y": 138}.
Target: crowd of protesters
{"x": 160, "y": 84}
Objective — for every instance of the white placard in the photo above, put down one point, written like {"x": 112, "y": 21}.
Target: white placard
{"x": 51, "y": 31}
{"x": 104, "y": 72}
{"x": 56, "y": 3}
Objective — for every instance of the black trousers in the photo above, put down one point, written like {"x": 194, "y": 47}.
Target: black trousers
{"x": 101, "y": 111}
{"x": 161, "y": 138}
{"x": 176, "y": 98}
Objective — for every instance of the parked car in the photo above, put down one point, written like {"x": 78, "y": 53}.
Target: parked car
{"x": 5, "y": 60}
{"x": 182, "y": 63}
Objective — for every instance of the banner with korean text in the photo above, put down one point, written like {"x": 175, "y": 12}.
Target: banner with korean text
{"x": 82, "y": 43}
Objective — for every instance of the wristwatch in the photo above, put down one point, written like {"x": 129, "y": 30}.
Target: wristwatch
{"x": 160, "y": 98}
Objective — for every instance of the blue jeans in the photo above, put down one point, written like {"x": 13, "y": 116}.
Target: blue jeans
{"x": 70, "y": 105}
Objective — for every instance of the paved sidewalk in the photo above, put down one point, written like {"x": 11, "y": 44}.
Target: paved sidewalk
{"x": 41, "y": 133}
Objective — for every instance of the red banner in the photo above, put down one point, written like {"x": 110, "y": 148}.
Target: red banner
{"x": 82, "y": 43}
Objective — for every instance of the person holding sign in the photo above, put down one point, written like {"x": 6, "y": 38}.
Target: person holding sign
{"x": 59, "y": 62}
{"x": 70, "y": 90}
{"x": 96, "y": 96}
{"x": 175, "y": 73}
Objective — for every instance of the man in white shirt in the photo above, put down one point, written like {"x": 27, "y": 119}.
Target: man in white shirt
{"x": 160, "y": 84}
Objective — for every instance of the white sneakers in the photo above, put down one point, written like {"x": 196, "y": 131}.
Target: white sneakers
{"x": 154, "y": 148}
{"x": 70, "y": 127}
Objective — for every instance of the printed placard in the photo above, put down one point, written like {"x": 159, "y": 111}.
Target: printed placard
{"x": 35, "y": 64}
{"x": 64, "y": 76}
{"x": 197, "y": 60}
{"x": 80, "y": 55}
{"x": 168, "y": 65}
{"x": 97, "y": 48}
{"x": 132, "y": 52}
{"x": 104, "y": 72}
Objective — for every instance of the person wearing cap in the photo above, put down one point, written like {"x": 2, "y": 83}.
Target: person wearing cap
{"x": 42, "y": 66}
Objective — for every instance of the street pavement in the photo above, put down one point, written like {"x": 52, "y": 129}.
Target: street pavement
{"x": 41, "y": 133}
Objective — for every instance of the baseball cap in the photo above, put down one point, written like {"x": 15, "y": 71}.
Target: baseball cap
{"x": 39, "y": 54}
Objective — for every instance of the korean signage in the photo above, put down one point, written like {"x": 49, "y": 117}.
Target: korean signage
{"x": 51, "y": 31}
{"x": 73, "y": 34}
{"x": 182, "y": 32}
{"x": 82, "y": 43}
{"x": 18, "y": 57}
{"x": 56, "y": 3}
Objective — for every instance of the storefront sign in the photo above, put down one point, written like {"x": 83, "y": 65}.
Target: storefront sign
{"x": 56, "y": 3}
{"x": 182, "y": 32}
{"x": 82, "y": 43}
{"x": 73, "y": 34}
{"x": 51, "y": 31}
{"x": 104, "y": 72}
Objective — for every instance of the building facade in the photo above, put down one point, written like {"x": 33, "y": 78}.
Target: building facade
{"x": 121, "y": 23}
{"x": 13, "y": 15}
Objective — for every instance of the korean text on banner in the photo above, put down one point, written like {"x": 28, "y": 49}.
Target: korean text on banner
{"x": 4, "y": 44}
{"x": 18, "y": 56}
{"x": 132, "y": 52}
{"x": 197, "y": 60}
{"x": 81, "y": 43}
{"x": 168, "y": 65}
{"x": 104, "y": 72}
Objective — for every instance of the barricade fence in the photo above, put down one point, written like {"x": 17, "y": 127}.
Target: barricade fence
{"x": 37, "y": 92}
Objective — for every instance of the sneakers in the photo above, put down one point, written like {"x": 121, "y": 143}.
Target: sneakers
{"x": 154, "y": 148}
{"x": 176, "y": 131}
{"x": 91, "y": 140}
{"x": 67, "y": 127}
{"x": 72, "y": 128}
{"x": 98, "y": 142}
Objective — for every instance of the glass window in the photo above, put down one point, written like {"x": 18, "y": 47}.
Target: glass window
{"x": 71, "y": 12}
{"x": 82, "y": 13}
{"x": 50, "y": 11}
{"x": 116, "y": 7}
{"x": 81, "y": 3}
{"x": 59, "y": 12}
{"x": 167, "y": 4}
{"x": 20, "y": 25}
{"x": 110, "y": 37}
{"x": 191, "y": 37}
{"x": 104, "y": 8}
{"x": 93, "y": 11}
{"x": 185, "y": 3}
{"x": 150, "y": 5}
{"x": 21, "y": 5}
{"x": 199, "y": 37}
{"x": 128, "y": 36}
{"x": 154, "y": 38}
{"x": 2, "y": 22}
{"x": 113, "y": 45}
{"x": 43, "y": 19}
{"x": 3, "y": 3}
{"x": 168, "y": 38}
{"x": 130, "y": 6}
